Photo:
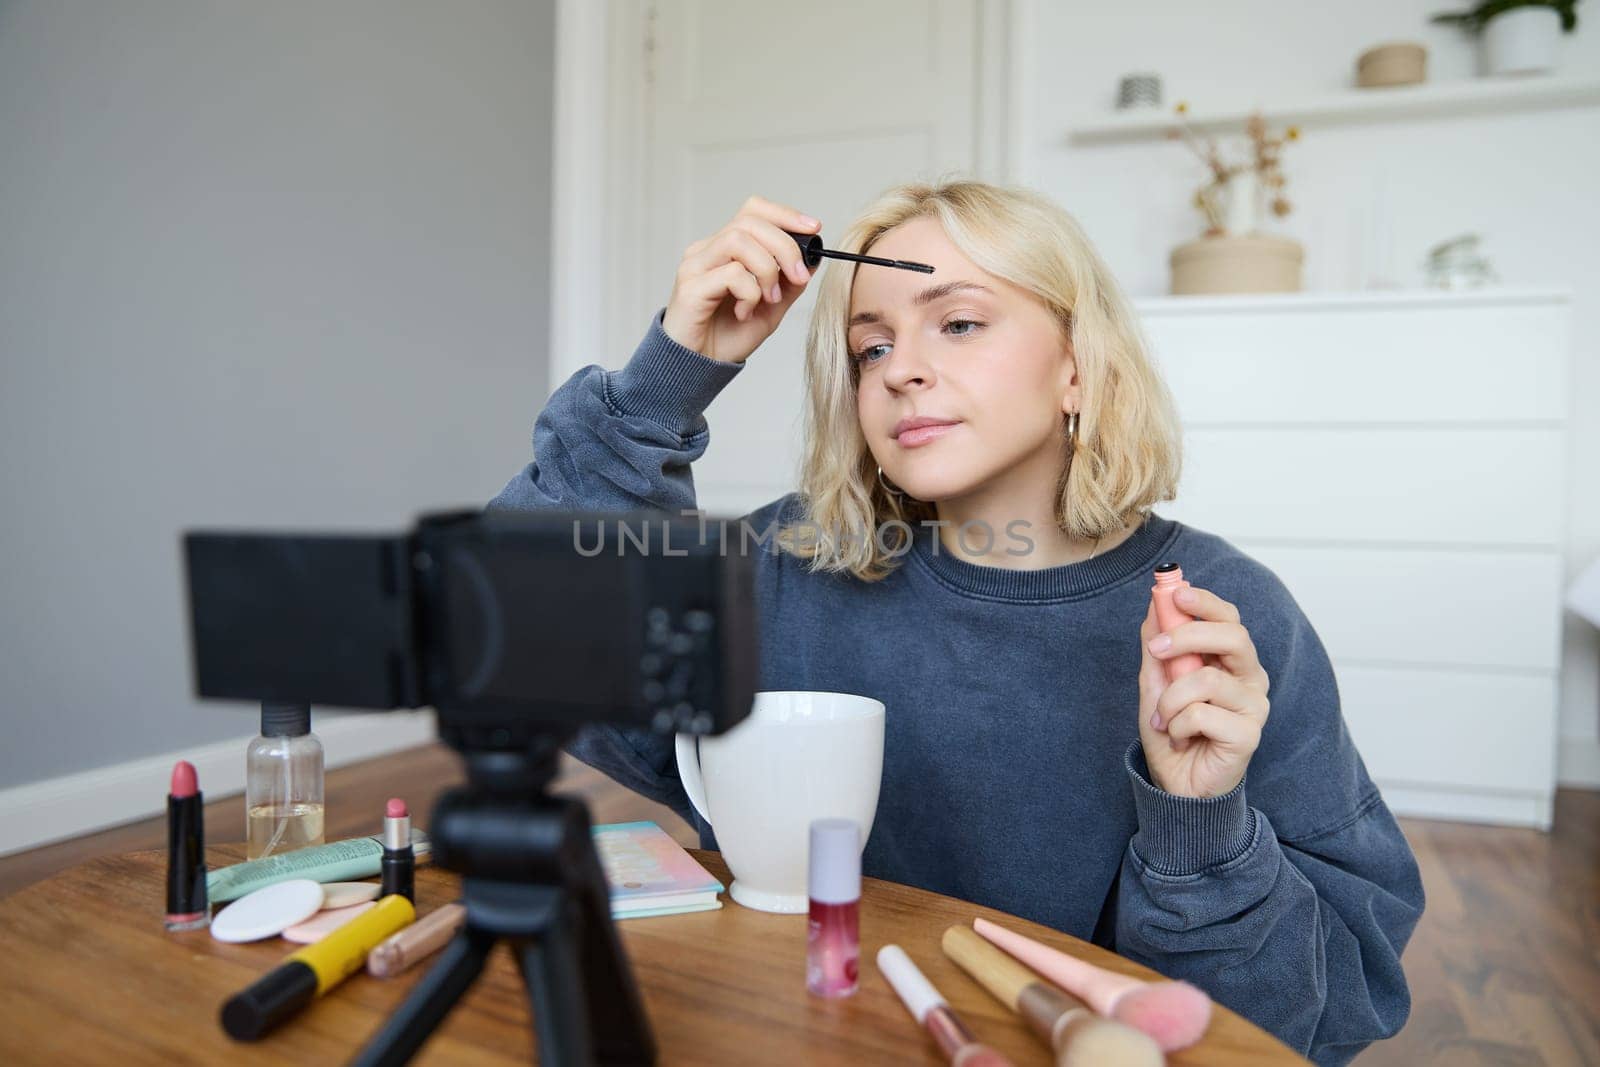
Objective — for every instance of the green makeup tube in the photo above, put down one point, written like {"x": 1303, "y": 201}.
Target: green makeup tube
{"x": 337, "y": 861}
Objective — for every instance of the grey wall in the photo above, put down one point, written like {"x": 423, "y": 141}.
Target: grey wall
{"x": 279, "y": 264}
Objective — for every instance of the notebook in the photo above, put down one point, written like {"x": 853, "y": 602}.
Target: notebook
{"x": 651, "y": 874}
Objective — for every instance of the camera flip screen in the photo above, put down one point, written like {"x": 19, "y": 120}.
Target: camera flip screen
{"x": 483, "y": 616}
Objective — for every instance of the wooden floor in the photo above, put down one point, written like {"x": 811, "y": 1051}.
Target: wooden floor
{"x": 1504, "y": 967}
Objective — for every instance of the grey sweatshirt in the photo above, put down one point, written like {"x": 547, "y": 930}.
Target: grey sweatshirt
{"x": 1013, "y": 775}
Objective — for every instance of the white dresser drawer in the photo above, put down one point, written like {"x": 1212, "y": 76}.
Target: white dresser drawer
{"x": 1438, "y": 486}
{"x": 1454, "y": 729}
{"x": 1432, "y": 359}
{"x": 1433, "y": 607}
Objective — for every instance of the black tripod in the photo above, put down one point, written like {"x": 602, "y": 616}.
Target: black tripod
{"x": 530, "y": 877}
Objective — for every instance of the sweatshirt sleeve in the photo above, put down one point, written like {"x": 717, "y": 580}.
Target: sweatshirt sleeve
{"x": 1290, "y": 898}
{"x": 624, "y": 441}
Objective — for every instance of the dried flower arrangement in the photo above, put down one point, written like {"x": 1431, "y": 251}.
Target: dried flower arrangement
{"x": 1265, "y": 162}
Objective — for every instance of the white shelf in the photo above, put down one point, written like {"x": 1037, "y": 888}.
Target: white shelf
{"x": 1478, "y": 96}
{"x": 1382, "y": 298}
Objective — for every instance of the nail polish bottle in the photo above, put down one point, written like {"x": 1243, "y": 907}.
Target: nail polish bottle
{"x": 833, "y": 934}
{"x": 1169, "y": 579}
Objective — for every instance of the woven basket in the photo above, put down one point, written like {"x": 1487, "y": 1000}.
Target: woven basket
{"x": 1257, "y": 263}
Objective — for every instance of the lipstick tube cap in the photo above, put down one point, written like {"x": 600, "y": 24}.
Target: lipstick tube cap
{"x": 916, "y": 992}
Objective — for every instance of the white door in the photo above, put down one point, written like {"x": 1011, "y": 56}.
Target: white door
{"x": 821, "y": 105}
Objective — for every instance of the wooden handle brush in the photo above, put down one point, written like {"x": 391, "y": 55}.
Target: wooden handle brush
{"x": 1079, "y": 1036}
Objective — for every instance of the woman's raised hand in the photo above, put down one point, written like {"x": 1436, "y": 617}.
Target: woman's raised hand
{"x": 734, "y": 287}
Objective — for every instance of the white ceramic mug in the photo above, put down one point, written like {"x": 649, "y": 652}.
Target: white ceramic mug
{"x": 800, "y": 756}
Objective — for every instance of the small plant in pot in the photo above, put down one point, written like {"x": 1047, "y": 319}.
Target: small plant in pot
{"x": 1519, "y": 36}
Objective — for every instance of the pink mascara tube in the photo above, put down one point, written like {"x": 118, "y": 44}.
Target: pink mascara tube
{"x": 1169, "y": 579}
{"x": 833, "y": 935}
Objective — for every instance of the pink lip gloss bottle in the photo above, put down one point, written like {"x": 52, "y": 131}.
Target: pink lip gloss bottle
{"x": 833, "y": 934}
{"x": 1169, "y": 579}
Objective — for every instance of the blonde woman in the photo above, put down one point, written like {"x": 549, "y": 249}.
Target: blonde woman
{"x": 972, "y": 543}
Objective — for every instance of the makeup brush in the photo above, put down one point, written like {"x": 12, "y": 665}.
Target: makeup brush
{"x": 1079, "y": 1036}
{"x": 1174, "y": 1013}
{"x": 811, "y": 249}
{"x": 930, "y": 1009}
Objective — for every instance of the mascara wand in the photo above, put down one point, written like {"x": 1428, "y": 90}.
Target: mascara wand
{"x": 811, "y": 249}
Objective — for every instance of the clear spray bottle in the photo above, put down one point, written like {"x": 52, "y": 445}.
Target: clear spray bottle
{"x": 283, "y": 783}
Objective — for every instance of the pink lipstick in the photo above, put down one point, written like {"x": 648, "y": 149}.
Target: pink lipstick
{"x": 399, "y": 864}
{"x": 914, "y": 431}
{"x": 187, "y": 908}
{"x": 917, "y": 438}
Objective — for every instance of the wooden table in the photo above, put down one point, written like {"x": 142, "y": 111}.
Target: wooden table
{"x": 89, "y": 976}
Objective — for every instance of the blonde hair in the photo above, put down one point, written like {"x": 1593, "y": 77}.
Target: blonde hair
{"x": 1126, "y": 456}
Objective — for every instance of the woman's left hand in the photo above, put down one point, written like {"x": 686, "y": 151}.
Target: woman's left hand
{"x": 1200, "y": 731}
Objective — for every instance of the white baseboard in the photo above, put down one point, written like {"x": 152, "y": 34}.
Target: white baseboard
{"x": 41, "y": 812}
{"x": 1579, "y": 765}
{"x": 1463, "y": 805}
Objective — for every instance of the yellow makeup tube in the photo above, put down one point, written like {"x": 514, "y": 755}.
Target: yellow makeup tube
{"x": 313, "y": 970}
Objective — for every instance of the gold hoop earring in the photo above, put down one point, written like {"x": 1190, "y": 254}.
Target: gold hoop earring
{"x": 1072, "y": 428}
{"x": 887, "y": 488}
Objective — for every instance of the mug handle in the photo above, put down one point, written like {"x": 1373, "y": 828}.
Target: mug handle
{"x": 689, "y": 771}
